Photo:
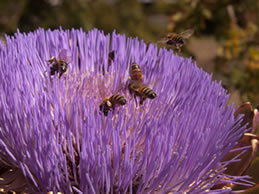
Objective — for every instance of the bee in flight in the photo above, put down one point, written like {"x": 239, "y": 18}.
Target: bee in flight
{"x": 110, "y": 103}
{"x": 177, "y": 40}
{"x": 136, "y": 73}
{"x": 140, "y": 90}
{"x": 59, "y": 65}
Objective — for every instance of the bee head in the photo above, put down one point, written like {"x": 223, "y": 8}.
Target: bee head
{"x": 152, "y": 95}
{"x": 134, "y": 66}
{"x": 123, "y": 101}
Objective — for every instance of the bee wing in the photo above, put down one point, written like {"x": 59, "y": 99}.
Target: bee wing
{"x": 187, "y": 33}
{"x": 102, "y": 94}
{"x": 63, "y": 55}
{"x": 162, "y": 40}
{"x": 68, "y": 59}
{"x": 122, "y": 86}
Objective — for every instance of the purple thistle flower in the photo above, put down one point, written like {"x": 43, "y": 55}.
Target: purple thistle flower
{"x": 51, "y": 128}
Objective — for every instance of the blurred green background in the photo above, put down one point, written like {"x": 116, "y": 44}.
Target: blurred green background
{"x": 226, "y": 39}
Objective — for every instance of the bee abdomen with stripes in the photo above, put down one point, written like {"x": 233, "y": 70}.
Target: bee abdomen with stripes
{"x": 111, "y": 102}
{"x": 148, "y": 92}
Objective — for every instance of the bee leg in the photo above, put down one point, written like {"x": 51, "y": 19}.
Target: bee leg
{"x": 178, "y": 47}
{"x": 142, "y": 100}
{"x": 136, "y": 101}
{"x": 52, "y": 70}
{"x": 113, "y": 109}
{"x": 60, "y": 74}
{"x": 130, "y": 90}
{"x": 103, "y": 110}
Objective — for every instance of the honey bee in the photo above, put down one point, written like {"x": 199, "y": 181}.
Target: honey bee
{"x": 111, "y": 57}
{"x": 177, "y": 40}
{"x": 110, "y": 102}
{"x": 136, "y": 73}
{"x": 138, "y": 89}
{"x": 59, "y": 65}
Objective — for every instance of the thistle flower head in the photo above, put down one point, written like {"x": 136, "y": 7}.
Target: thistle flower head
{"x": 52, "y": 130}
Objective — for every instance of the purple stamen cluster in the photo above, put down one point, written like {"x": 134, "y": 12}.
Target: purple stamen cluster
{"x": 51, "y": 127}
